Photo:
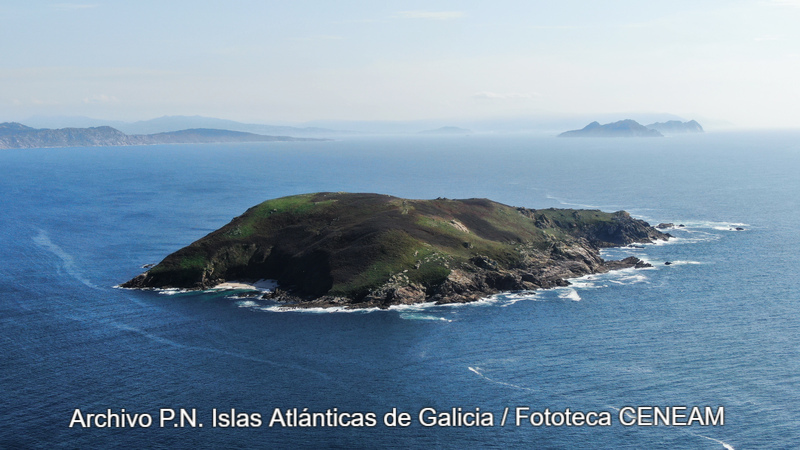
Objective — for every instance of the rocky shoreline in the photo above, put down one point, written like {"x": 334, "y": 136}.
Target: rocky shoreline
{"x": 462, "y": 285}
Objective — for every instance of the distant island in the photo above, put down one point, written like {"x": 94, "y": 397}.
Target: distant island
{"x": 16, "y": 135}
{"x": 623, "y": 128}
{"x": 447, "y": 130}
{"x": 173, "y": 123}
{"x": 372, "y": 250}
{"x": 632, "y": 128}
{"x": 677, "y": 127}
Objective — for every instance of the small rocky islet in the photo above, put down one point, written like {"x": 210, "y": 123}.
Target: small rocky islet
{"x": 372, "y": 250}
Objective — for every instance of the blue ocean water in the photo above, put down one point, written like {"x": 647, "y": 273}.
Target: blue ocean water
{"x": 718, "y": 327}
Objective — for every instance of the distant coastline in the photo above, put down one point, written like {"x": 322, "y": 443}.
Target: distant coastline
{"x": 447, "y": 131}
{"x": 16, "y": 135}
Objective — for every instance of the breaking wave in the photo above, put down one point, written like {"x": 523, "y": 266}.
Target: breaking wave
{"x": 417, "y": 316}
{"x": 569, "y": 294}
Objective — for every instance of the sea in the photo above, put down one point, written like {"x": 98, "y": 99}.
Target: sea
{"x": 619, "y": 360}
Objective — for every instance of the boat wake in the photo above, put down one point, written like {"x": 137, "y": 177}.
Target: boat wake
{"x": 165, "y": 341}
{"x": 478, "y": 371}
{"x": 630, "y": 416}
{"x": 42, "y": 240}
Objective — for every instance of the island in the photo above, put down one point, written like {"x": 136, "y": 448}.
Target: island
{"x": 16, "y": 135}
{"x": 372, "y": 250}
{"x": 622, "y": 128}
{"x": 448, "y": 131}
{"x": 677, "y": 127}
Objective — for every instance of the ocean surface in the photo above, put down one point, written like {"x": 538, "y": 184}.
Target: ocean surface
{"x": 719, "y": 327}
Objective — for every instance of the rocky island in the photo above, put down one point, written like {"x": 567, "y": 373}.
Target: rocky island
{"x": 632, "y": 128}
{"x": 372, "y": 250}
{"x": 622, "y": 128}
{"x": 447, "y": 130}
{"x": 677, "y": 127}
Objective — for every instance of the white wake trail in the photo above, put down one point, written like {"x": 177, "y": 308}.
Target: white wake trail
{"x": 67, "y": 261}
{"x": 477, "y": 371}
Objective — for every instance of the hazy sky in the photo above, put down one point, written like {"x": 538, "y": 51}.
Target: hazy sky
{"x": 291, "y": 61}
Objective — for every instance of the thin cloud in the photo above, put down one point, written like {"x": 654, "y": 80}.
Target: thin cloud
{"x": 768, "y": 38}
{"x": 61, "y": 72}
{"x": 318, "y": 38}
{"x": 506, "y": 95}
{"x": 74, "y": 6}
{"x": 430, "y": 15}
{"x": 352, "y": 21}
{"x": 40, "y": 102}
{"x": 96, "y": 99}
{"x": 793, "y": 3}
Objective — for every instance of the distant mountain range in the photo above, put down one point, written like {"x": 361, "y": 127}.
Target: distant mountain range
{"x": 632, "y": 128}
{"x": 173, "y": 123}
{"x": 16, "y": 135}
{"x": 538, "y": 123}
{"x": 447, "y": 130}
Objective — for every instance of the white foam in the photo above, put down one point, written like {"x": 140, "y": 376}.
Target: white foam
{"x": 247, "y": 304}
{"x": 317, "y": 310}
{"x": 513, "y": 298}
{"x": 724, "y": 228}
{"x": 260, "y": 285}
{"x": 571, "y": 294}
{"x": 691, "y": 236}
{"x": 709, "y": 224}
{"x": 585, "y": 282}
{"x": 160, "y": 291}
{"x": 415, "y": 316}
{"x": 288, "y": 307}
{"x": 629, "y": 279}
{"x": 414, "y": 307}
{"x": 172, "y": 291}
{"x": 717, "y": 225}
{"x": 658, "y": 242}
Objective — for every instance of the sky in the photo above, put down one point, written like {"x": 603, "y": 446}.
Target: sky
{"x": 298, "y": 61}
